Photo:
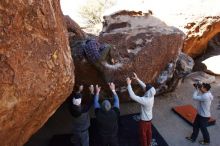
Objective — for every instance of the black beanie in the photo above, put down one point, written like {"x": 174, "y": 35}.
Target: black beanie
{"x": 148, "y": 86}
{"x": 77, "y": 96}
{"x": 207, "y": 86}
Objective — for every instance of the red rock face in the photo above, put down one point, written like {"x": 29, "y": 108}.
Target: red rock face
{"x": 208, "y": 61}
{"x": 36, "y": 68}
{"x": 141, "y": 44}
{"x": 199, "y": 33}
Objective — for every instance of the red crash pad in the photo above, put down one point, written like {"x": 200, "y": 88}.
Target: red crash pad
{"x": 188, "y": 113}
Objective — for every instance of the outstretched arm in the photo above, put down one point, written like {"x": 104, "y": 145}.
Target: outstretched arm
{"x": 116, "y": 99}
{"x": 96, "y": 98}
{"x": 141, "y": 83}
{"x": 80, "y": 89}
{"x": 90, "y": 100}
{"x": 132, "y": 94}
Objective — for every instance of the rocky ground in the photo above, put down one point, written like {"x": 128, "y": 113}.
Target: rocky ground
{"x": 171, "y": 126}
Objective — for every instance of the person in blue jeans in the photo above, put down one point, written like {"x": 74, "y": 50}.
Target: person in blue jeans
{"x": 107, "y": 118}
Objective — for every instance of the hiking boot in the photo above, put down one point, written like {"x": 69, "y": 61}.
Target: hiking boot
{"x": 190, "y": 139}
{"x": 202, "y": 142}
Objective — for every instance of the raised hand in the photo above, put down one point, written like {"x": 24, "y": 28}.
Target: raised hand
{"x": 91, "y": 89}
{"x": 98, "y": 89}
{"x": 111, "y": 86}
{"x": 135, "y": 76}
{"x": 80, "y": 88}
{"x": 128, "y": 81}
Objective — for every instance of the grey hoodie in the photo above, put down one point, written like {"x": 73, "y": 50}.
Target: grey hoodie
{"x": 147, "y": 101}
{"x": 204, "y": 103}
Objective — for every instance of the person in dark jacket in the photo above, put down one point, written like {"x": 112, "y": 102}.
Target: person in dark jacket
{"x": 107, "y": 118}
{"x": 81, "y": 118}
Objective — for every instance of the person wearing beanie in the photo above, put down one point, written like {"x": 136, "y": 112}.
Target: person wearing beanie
{"x": 204, "y": 98}
{"x": 146, "y": 102}
{"x": 107, "y": 118}
{"x": 81, "y": 119}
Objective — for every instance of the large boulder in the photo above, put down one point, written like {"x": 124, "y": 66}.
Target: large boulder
{"x": 199, "y": 33}
{"x": 208, "y": 62}
{"x": 170, "y": 78}
{"x": 140, "y": 42}
{"x": 198, "y": 19}
{"x": 36, "y": 67}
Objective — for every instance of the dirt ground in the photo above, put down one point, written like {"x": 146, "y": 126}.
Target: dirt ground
{"x": 171, "y": 126}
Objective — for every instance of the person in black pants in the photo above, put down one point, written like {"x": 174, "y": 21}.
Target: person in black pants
{"x": 81, "y": 118}
{"x": 107, "y": 118}
{"x": 201, "y": 121}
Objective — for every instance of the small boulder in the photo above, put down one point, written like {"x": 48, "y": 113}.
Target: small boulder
{"x": 201, "y": 76}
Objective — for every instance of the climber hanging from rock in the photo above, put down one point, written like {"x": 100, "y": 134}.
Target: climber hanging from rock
{"x": 93, "y": 51}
